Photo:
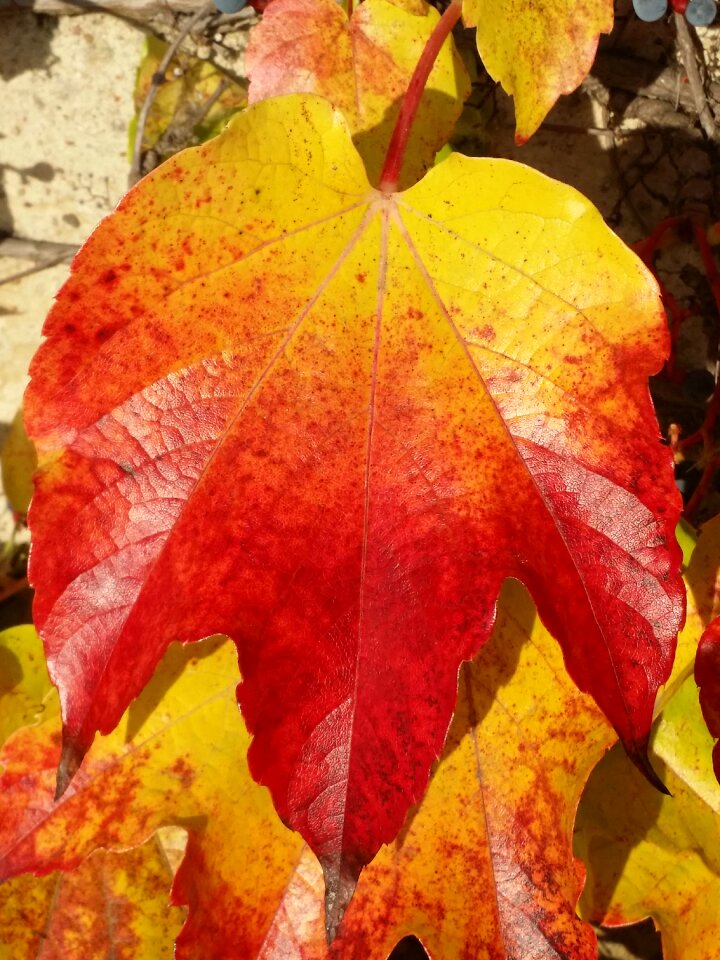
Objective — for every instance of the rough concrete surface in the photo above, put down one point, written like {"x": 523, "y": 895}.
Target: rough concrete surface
{"x": 65, "y": 103}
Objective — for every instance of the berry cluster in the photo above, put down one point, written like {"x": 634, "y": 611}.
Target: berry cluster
{"x": 700, "y": 13}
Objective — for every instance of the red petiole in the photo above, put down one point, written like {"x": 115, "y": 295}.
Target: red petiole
{"x": 396, "y": 150}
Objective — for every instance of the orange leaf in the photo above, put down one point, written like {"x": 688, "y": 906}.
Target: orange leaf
{"x": 329, "y": 422}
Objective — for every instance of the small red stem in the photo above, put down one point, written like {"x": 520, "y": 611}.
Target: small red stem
{"x": 349, "y": 8}
{"x": 398, "y": 142}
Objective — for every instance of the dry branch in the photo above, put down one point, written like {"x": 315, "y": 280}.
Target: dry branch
{"x": 134, "y": 9}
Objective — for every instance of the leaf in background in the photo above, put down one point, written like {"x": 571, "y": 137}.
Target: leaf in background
{"x": 483, "y": 867}
{"x": 538, "y": 50}
{"x": 706, "y": 589}
{"x": 363, "y": 67}
{"x": 19, "y": 461}
{"x": 24, "y": 681}
{"x": 653, "y": 855}
{"x": 707, "y": 677}
{"x": 329, "y": 422}
{"x": 178, "y": 758}
{"x": 114, "y": 905}
{"x": 195, "y": 101}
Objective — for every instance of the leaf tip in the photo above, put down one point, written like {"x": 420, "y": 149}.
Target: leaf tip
{"x": 71, "y": 756}
{"x": 639, "y": 756}
{"x": 340, "y": 886}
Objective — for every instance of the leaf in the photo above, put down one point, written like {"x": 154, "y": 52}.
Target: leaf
{"x": 652, "y": 855}
{"x": 178, "y": 759}
{"x": 483, "y": 867}
{"x": 195, "y": 100}
{"x": 329, "y": 422}
{"x": 24, "y": 680}
{"x": 113, "y": 905}
{"x": 706, "y": 588}
{"x": 19, "y": 462}
{"x": 538, "y": 50}
{"x": 707, "y": 677}
{"x": 362, "y": 66}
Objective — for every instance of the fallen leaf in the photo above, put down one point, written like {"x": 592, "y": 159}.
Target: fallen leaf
{"x": 362, "y": 66}
{"x": 114, "y": 905}
{"x": 537, "y": 51}
{"x": 329, "y": 422}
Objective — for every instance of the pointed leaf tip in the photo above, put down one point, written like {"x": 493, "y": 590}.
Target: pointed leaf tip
{"x": 71, "y": 757}
{"x": 639, "y": 756}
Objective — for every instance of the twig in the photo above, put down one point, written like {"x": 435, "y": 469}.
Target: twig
{"x": 134, "y": 9}
{"x": 37, "y": 268}
{"x": 44, "y": 253}
{"x": 687, "y": 55}
{"x": 158, "y": 78}
{"x": 39, "y": 251}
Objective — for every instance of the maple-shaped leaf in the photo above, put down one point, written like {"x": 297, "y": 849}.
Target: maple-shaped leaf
{"x": 483, "y": 867}
{"x": 329, "y": 421}
{"x": 538, "y": 50}
{"x": 362, "y": 65}
{"x": 114, "y": 905}
{"x": 653, "y": 855}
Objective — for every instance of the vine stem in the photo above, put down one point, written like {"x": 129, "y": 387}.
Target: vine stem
{"x": 398, "y": 142}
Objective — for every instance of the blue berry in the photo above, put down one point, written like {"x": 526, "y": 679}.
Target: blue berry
{"x": 701, "y": 13}
{"x": 229, "y": 6}
{"x": 650, "y": 10}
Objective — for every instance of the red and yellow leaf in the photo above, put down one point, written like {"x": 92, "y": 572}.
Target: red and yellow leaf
{"x": 114, "y": 905}
{"x": 538, "y": 50}
{"x": 177, "y": 758}
{"x": 328, "y": 421}
{"x": 654, "y": 855}
{"x": 484, "y": 867}
{"x": 362, "y": 65}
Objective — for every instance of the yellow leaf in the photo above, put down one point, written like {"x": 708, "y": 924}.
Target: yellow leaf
{"x": 654, "y": 855}
{"x": 537, "y": 50}
{"x": 24, "y": 682}
{"x": 19, "y": 462}
{"x": 112, "y": 907}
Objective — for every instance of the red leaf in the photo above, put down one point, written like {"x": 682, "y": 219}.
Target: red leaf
{"x": 329, "y": 422}
{"x": 707, "y": 677}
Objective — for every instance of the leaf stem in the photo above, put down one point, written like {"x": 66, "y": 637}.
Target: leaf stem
{"x": 398, "y": 142}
